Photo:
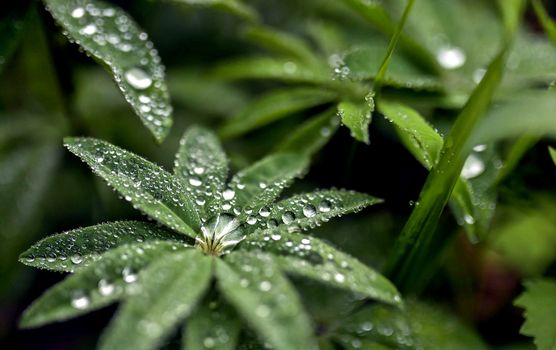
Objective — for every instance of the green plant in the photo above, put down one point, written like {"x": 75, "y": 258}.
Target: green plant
{"x": 162, "y": 274}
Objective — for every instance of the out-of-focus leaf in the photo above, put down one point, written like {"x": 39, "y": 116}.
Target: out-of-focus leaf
{"x": 357, "y": 117}
{"x": 235, "y": 7}
{"x": 363, "y": 63}
{"x": 311, "y": 258}
{"x": 312, "y": 135}
{"x": 547, "y": 23}
{"x": 262, "y": 295}
{"x": 167, "y": 293}
{"x": 259, "y": 184}
{"x": 552, "y": 152}
{"x": 515, "y": 153}
{"x": 84, "y": 246}
{"x": 539, "y": 302}
{"x": 108, "y": 34}
{"x": 212, "y": 326}
{"x": 274, "y": 106}
{"x": 202, "y": 166}
{"x": 12, "y": 23}
{"x": 269, "y": 68}
{"x": 97, "y": 285}
{"x": 149, "y": 187}
{"x": 308, "y": 210}
{"x": 527, "y": 237}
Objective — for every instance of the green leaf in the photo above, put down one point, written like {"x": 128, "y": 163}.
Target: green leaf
{"x": 202, "y": 166}
{"x": 113, "y": 276}
{"x": 108, "y": 34}
{"x": 269, "y": 68}
{"x": 213, "y": 326}
{"x": 363, "y": 63}
{"x": 311, "y": 258}
{"x": 172, "y": 287}
{"x": 552, "y": 152}
{"x": 357, "y": 117}
{"x": 150, "y": 188}
{"x": 260, "y": 184}
{"x": 544, "y": 18}
{"x": 312, "y": 135}
{"x": 254, "y": 285}
{"x": 308, "y": 210}
{"x": 273, "y": 106}
{"x": 12, "y": 23}
{"x": 82, "y": 247}
{"x": 539, "y": 302}
{"x": 235, "y": 7}
{"x": 283, "y": 43}
{"x": 412, "y": 253}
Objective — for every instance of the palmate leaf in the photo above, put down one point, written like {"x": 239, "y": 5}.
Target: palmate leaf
{"x": 172, "y": 287}
{"x": 82, "y": 247}
{"x": 150, "y": 188}
{"x": 235, "y": 7}
{"x": 312, "y": 135}
{"x": 202, "y": 166}
{"x": 311, "y": 258}
{"x": 213, "y": 325}
{"x": 96, "y": 286}
{"x": 357, "y": 117}
{"x": 108, "y": 34}
{"x": 260, "y": 184}
{"x": 539, "y": 302}
{"x": 262, "y": 295}
{"x": 274, "y": 106}
{"x": 308, "y": 210}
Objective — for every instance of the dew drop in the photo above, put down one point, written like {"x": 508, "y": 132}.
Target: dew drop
{"x": 480, "y": 148}
{"x": 80, "y": 300}
{"x": 473, "y": 167}
{"x": 451, "y": 57}
{"x": 262, "y": 185}
{"x": 199, "y": 170}
{"x": 144, "y": 99}
{"x": 78, "y": 12}
{"x": 309, "y": 211}
{"x": 262, "y": 311}
{"x": 251, "y": 220}
{"x": 209, "y": 343}
{"x": 265, "y": 286}
{"x": 468, "y": 219}
{"x": 89, "y": 29}
{"x": 195, "y": 181}
{"x": 264, "y": 212}
{"x": 288, "y": 217}
{"x": 325, "y": 206}
{"x": 340, "y": 278}
{"x": 137, "y": 78}
{"x": 129, "y": 275}
{"x": 228, "y": 194}
{"x": 275, "y": 236}
{"x": 105, "y": 288}
{"x": 76, "y": 259}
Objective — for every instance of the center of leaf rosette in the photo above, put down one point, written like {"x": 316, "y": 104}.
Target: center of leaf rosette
{"x": 220, "y": 234}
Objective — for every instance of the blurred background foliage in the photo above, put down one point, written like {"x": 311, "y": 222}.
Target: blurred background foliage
{"x": 257, "y": 79}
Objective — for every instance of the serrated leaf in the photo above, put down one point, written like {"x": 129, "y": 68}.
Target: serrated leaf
{"x": 539, "y": 302}
{"x": 172, "y": 286}
{"x": 254, "y": 285}
{"x": 312, "y": 135}
{"x": 283, "y": 43}
{"x": 235, "y": 7}
{"x": 149, "y": 187}
{"x": 260, "y": 184}
{"x": 108, "y": 34}
{"x": 213, "y": 326}
{"x": 310, "y": 257}
{"x": 552, "y": 152}
{"x": 274, "y": 106}
{"x": 357, "y": 117}
{"x": 202, "y": 166}
{"x": 269, "y": 68}
{"x": 97, "y": 285}
{"x": 308, "y": 210}
{"x": 82, "y": 247}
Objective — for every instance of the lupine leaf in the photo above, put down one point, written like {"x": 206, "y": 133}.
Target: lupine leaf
{"x": 172, "y": 286}
{"x": 150, "y": 188}
{"x": 357, "y": 117}
{"x": 312, "y": 135}
{"x": 259, "y": 184}
{"x": 108, "y": 34}
{"x": 274, "y": 106}
{"x": 235, "y": 7}
{"x": 311, "y": 258}
{"x": 539, "y": 302}
{"x": 213, "y": 326}
{"x": 202, "y": 166}
{"x": 308, "y": 210}
{"x": 269, "y": 68}
{"x": 97, "y": 285}
{"x": 84, "y": 246}
{"x": 263, "y": 296}
{"x": 283, "y": 43}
